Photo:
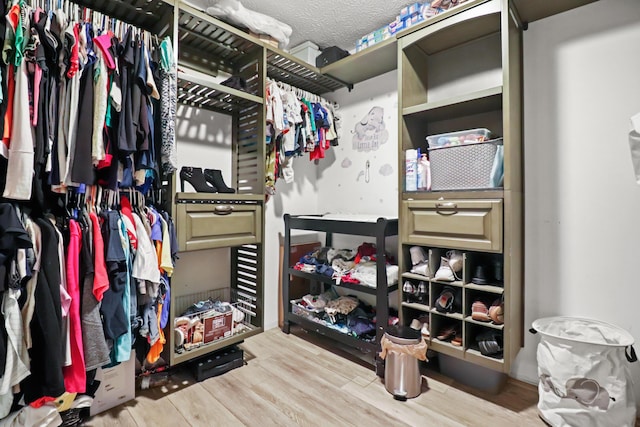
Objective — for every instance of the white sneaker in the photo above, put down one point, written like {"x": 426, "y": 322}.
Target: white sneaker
{"x": 422, "y": 269}
{"x": 455, "y": 261}
{"x": 444, "y": 273}
{"x": 418, "y": 255}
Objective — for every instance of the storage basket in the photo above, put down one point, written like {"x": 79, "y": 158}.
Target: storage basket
{"x": 209, "y": 316}
{"x": 463, "y": 167}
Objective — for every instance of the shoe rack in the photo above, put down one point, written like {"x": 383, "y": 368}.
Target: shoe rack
{"x": 458, "y": 316}
{"x": 465, "y": 72}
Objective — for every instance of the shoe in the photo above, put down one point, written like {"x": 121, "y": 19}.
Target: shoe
{"x": 409, "y": 291}
{"x": 449, "y": 301}
{"x": 425, "y": 331}
{"x": 490, "y": 343}
{"x": 236, "y": 82}
{"x": 422, "y": 293}
{"x": 195, "y": 177}
{"x": 444, "y": 273}
{"x": 422, "y": 269}
{"x": 446, "y": 333}
{"x": 457, "y": 340}
{"x": 497, "y": 271}
{"x": 416, "y": 324}
{"x": 479, "y": 311}
{"x": 480, "y": 275}
{"x": 496, "y": 312}
{"x": 418, "y": 255}
{"x": 455, "y": 262}
{"x": 214, "y": 177}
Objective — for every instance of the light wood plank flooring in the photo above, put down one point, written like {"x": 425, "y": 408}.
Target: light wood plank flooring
{"x": 290, "y": 380}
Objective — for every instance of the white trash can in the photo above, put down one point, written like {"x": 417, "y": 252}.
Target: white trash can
{"x": 583, "y": 367}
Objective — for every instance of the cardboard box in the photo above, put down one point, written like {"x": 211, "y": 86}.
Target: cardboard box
{"x": 218, "y": 326}
{"x": 307, "y": 51}
{"x": 117, "y": 386}
{"x": 409, "y": 10}
{"x": 265, "y": 38}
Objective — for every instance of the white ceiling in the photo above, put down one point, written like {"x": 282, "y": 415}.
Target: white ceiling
{"x": 329, "y": 22}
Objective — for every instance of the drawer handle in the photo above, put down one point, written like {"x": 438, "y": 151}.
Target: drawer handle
{"x": 448, "y": 205}
{"x": 223, "y": 210}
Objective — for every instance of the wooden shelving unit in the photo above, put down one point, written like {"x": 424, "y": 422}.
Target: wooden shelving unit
{"x": 464, "y": 71}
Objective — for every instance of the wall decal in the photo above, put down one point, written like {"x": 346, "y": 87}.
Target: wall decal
{"x": 386, "y": 169}
{"x": 370, "y": 132}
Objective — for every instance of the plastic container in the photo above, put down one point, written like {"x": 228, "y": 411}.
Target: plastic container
{"x": 307, "y": 51}
{"x": 464, "y": 167}
{"x": 470, "y": 136}
{"x": 470, "y": 374}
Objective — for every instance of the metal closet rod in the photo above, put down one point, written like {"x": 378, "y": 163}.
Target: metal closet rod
{"x": 79, "y": 12}
{"x": 301, "y": 93}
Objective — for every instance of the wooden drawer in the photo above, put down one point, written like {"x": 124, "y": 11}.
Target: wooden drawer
{"x": 214, "y": 225}
{"x": 462, "y": 224}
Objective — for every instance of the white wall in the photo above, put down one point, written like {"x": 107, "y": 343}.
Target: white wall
{"x": 342, "y": 183}
{"x": 582, "y": 203}
{"x": 299, "y": 197}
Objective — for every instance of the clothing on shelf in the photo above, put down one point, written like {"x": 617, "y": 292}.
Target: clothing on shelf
{"x": 357, "y": 266}
{"x": 297, "y": 122}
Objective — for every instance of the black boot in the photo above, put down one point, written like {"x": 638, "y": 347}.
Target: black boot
{"x": 197, "y": 180}
{"x": 214, "y": 177}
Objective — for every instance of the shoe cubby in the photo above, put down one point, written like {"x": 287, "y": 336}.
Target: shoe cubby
{"x": 415, "y": 293}
{"x": 447, "y": 300}
{"x": 465, "y": 293}
{"x": 492, "y": 353}
{"x": 485, "y": 270}
{"x": 447, "y": 335}
{"x": 485, "y": 303}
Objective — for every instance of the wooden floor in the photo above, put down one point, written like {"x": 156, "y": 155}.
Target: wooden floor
{"x": 288, "y": 381}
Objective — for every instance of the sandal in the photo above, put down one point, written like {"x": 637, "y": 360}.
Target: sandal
{"x": 446, "y": 333}
{"x": 480, "y": 311}
{"x": 496, "y": 312}
{"x": 457, "y": 340}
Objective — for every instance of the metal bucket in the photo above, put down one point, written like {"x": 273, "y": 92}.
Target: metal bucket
{"x": 402, "y": 376}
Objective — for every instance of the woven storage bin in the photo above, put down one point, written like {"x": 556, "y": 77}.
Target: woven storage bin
{"x": 463, "y": 167}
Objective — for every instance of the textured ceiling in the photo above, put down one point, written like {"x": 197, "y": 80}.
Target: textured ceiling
{"x": 329, "y": 22}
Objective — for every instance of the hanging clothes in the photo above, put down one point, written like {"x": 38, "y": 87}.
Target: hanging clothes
{"x": 74, "y": 375}
{"x": 46, "y": 377}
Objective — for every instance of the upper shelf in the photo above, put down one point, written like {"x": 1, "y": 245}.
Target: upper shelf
{"x": 368, "y": 63}
{"x": 204, "y": 39}
{"x": 198, "y": 89}
{"x": 532, "y": 10}
{"x": 291, "y": 70}
{"x": 469, "y": 24}
{"x": 151, "y": 15}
